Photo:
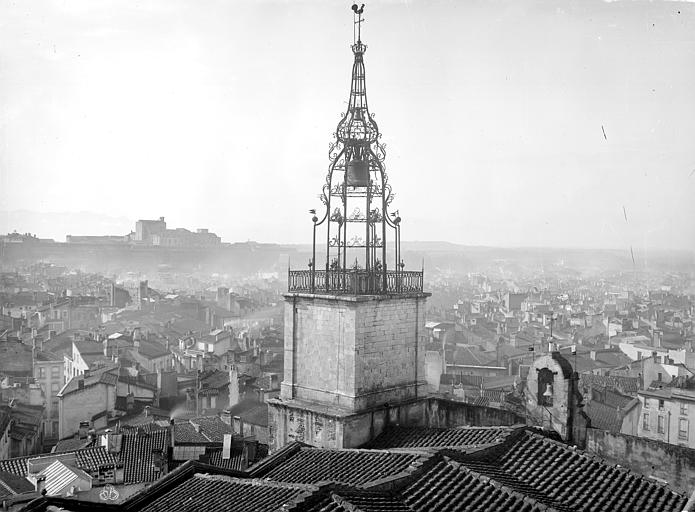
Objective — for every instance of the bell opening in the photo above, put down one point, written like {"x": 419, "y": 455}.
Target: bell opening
{"x": 358, "y": 173}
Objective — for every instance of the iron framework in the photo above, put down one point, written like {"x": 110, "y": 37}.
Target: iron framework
{"x": 357, "y": 179}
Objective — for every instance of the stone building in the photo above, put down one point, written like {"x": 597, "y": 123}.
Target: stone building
{"x": 355, "y": 328}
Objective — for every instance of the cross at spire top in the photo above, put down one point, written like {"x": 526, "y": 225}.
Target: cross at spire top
{"x": 358, "y": 19}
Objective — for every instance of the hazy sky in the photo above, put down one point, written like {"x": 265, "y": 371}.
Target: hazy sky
{"x": 218, "y": 114}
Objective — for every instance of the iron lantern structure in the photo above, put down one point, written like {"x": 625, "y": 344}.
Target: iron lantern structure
{"x": 356, "y": 198}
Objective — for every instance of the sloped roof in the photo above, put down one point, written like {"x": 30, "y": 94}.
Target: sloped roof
{"x": 252, "y": 412}
{"x": 526, "y": 472}
{"x": 626, "y": 384}
{"x": 152, "y": 350}
{"x": 459, "y": 437}
{"x": 226, "y": 493}
{"x": 215, "y": 380}
{"x": 565, "y": 478}
{"x": 453, "y": 486}
{"x": 106, "y": 375}
{"x": 213, "y": 427}
{"x": 352, "y": 467}
{"x": 603, "y": 416}
{"x": 138, "y": 455}
{"x": 59, "y": 475}
{"x": 89, "y": 459}
{"x": 71, "y": 444}
{"x": 235, "y": 461}
{"x": 11, "y": 484}
{"x": 184, "y": 432}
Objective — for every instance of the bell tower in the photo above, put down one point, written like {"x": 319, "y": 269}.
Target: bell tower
{"x": 354, "y": 319}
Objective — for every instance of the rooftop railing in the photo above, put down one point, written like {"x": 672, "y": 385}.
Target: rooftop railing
{"x": 355, "y": 282}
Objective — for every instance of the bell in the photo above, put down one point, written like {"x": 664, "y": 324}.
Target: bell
{"x": 357, "y": 173}
{"x": 548, "y": 391}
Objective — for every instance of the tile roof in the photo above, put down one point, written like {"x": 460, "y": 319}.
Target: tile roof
{"x": 350, "y": 500}
{"x": 215, "y": 380}
{"x": 568, "y": 479}
{"x": 604, "y": 417}
{"x": 89, "y": 459}
{"x": 615, "y": 399}
{"x": 206, "y": 492}
{"x": 353, "y": 467}
{"x": 252, "y": 412}
{"x": 235, "y": 461}
{"x": 59, "y": 475}
{"x": 625, "y": 384}
{"x": 11, "y": 484}
{"x": 459, "y": 437}
{"x": 213, "y": 427}
{"x": 139, "y": 455}
{"x": 452, "y": 486}
{"x": 106, "y": 375}
{"x": 71, "y": 444}
{"x": 184, "y": 432}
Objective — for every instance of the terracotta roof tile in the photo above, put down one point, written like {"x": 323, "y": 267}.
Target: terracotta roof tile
{"x": 204, "y": 493}
{"x": 213, "y": 427}
{"x": 567, "y": 478}
{"x": 604, "y": 417}
{"x": 617, "y": 382}
{"x": 140, "y": 453}
{"x": 459, "y": 437}
{"x": 353, "y": 467}
{"x": 454, "y": 487}
{"x": 89, "y": 459}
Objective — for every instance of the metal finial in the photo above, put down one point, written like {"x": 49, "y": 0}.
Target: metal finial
{"x": 358, "y": 22}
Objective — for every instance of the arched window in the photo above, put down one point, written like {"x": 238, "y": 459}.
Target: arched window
{"x": 546, "y": 383}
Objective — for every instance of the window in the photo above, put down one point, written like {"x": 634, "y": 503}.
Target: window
{"x": 42, "y": 372}
{"x": 55, "y": 372}
{"x": 646, "y": 403}
{"x": 661, "y": 405}
{"x": 645, "y": 421}
{"x": 684, "y": 409}
{"x": 660, "y": 425}
{"x": 683, "y": 429}
{"x": 658, "y": 376}
{"x": 54, "y": 388}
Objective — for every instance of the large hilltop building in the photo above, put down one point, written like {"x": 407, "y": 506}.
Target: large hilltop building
{"x": 154, "y": 233}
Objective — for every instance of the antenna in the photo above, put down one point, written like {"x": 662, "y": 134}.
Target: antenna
{"x": 358, "y": 19}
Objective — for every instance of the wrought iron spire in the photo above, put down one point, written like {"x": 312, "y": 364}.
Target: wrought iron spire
{"x": 357, "y": 196}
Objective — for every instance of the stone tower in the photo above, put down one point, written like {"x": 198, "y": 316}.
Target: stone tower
{"x": 553, "y": 398}
{"x": 354, "y": 328}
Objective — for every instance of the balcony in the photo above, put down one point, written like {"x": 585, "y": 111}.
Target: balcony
{"x": 355, "y": 282}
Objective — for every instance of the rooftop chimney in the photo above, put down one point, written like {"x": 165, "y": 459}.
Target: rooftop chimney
{"x": 227, "y": 447}
{"x": 83, "y": 429}
{"x": 172, "y": 433}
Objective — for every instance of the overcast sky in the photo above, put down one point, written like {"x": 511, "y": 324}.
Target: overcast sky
{"x": 219, "y": 114}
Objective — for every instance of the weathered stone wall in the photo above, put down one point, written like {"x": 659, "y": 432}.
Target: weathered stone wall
{"x": 81, "y": 405}
{"x": 354, "y": 352}
{"x": 671, "y": 463}
{"x": 389, "y": 350}
{"x": 296, "y": 421}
